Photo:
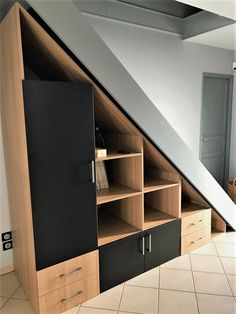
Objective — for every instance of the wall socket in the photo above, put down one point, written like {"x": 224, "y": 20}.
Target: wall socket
{"x": 6, "y": 236}
{"x": 7, "y": 245}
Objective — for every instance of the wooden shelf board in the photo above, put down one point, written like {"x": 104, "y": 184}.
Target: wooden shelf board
{"x": 189, "y": 208}
{"x": 154, "y": 217}
{"x": 215, "y": 233}
{"x": 114, "y": 155}
{"x": 115, "y": 192}
{"x": 154, "y": 184}
{"x": 112, "y": 228}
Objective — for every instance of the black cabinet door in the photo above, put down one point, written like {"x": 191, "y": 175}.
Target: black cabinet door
{"x": 120, "y": 261}
{"x": 60, "y": 137}
{"x": 162, "y": 244}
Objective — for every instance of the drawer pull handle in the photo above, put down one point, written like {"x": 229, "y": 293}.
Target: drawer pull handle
{"x": 78, "y": 294}
{"x": 193, "y": 242}
{"x": 71, "y": 273}
{"x": 193, "y": 223}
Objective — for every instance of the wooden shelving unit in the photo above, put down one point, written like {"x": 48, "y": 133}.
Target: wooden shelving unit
{"x": 114, "y": 155}
{"x": 115, "y": 192}
{"x": 112, "y": 228}
{"x": 154, "y": 184}
{"x": 154, "y": 217}
{"x": 189, "y": 208}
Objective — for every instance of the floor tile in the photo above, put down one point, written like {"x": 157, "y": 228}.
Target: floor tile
{"x": 90, "y": 310}
{"x": 139, "y": 300}
{"x": 107, "y": 300}
{"x": 226, "y": 249}
{"x": 211, "y": 283}
{"x": 8, "y": 284}
{"x": 181, "y": 262}
{"x": 208, "y": 249}
{"x": 19, "y": 294}
{"x": 14, "y": 306}
{"x": 147, "y": 279}
{"x": 228, "y": 237}
{"x": 177, "y": 302}
{"x": 229, "y": 264}
{"x": 174, "y": 279}
{"x": 232, "y": 283}
{"x": 206, "y": 263}
{"x": 2, "y": 301}
{"x": 73, "y": 310}
{"x": 214, "y": 304}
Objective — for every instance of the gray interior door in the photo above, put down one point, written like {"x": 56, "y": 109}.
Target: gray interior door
{"x": 215, "y": 126}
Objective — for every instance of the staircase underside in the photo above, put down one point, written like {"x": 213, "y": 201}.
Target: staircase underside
{"x": 74, "y": 31}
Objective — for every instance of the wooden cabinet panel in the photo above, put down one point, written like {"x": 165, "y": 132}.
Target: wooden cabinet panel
{"x": 60, "y": 140}
{"x": 120, "y": 261}
{"x": 71, "y": 295}
{"x": 57, "y": 276}
{"x": 162, "y": 244}
{"x": 194, "y": 222}
{"x": 196, "y": 239}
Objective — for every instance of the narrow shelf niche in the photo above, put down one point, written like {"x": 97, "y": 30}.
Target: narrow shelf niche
{"x": 161, "y": 206}
{"x": 119, "y": 219}
{"x": 124, "y": 178}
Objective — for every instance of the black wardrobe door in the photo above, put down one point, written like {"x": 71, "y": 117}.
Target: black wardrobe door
{"x": 165, "y": 244}
{"x": 60, "y": 137}
{"x": 120, "y": 261}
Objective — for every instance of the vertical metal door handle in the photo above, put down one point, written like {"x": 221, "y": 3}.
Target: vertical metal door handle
{"x": 149, "y": 245}
{"x": 93, "y": 171}
{"x": 142, "y": 249}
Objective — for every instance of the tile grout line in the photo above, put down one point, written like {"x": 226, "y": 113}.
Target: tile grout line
{"x": 10, "y": 298}
{"x": 121, "y": 296}
{"x": 195, "y": 292}
{"x": 224, "y": 271}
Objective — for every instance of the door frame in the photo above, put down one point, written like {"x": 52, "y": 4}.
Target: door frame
{"x": 229, "y": 119}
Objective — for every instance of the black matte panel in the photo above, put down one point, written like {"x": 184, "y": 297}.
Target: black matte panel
{"x": 120, "y": 261}
{"x": 60, "y": 137}
{"x": 165, "y": 244}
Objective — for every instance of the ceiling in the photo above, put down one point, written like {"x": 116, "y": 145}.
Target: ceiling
{"x": 224, "y": 37}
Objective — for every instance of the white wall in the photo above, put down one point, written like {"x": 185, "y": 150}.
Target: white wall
{"x": 6, "y": 256}
{"x": 168, "y": 70}
{"x": 232, "y": 169}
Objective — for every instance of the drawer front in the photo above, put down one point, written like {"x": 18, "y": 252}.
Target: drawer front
{"x": 69, "y": 296}
{"x": 196, "y": 222}
{"x": 196, "y": 239}
{"x": 57, "y": 276}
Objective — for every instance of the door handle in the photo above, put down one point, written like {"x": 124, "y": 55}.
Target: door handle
{"x": 142, "y": 245}
{"x": 149, "y": 243}
{"x": 204, "y": 139}
{"x": 92, "y": 171}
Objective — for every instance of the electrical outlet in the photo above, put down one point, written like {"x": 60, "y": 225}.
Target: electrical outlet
{"x": 7, "y": 245}
{"x": 6, "y": 236}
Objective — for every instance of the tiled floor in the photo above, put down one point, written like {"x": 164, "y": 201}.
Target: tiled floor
{"x": 201, "y": 282}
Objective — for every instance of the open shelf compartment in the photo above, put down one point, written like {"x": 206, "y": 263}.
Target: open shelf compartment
{"x": 124, "y": 178}
{"x": 119, "y": 219}
{"x": 161, "y": 206}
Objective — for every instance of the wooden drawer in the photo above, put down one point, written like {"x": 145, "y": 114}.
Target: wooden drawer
{"x": 194, "y": 240}
{"x": 69, "y": 296}
{"x": 59, "y": 275}
{"x": 197, "y": 221}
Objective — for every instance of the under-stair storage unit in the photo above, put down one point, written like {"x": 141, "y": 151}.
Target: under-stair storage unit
{"x": 73, "y": 237}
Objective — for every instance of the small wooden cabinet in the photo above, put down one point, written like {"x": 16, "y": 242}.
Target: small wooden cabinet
{"x": 129, "y": 257}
